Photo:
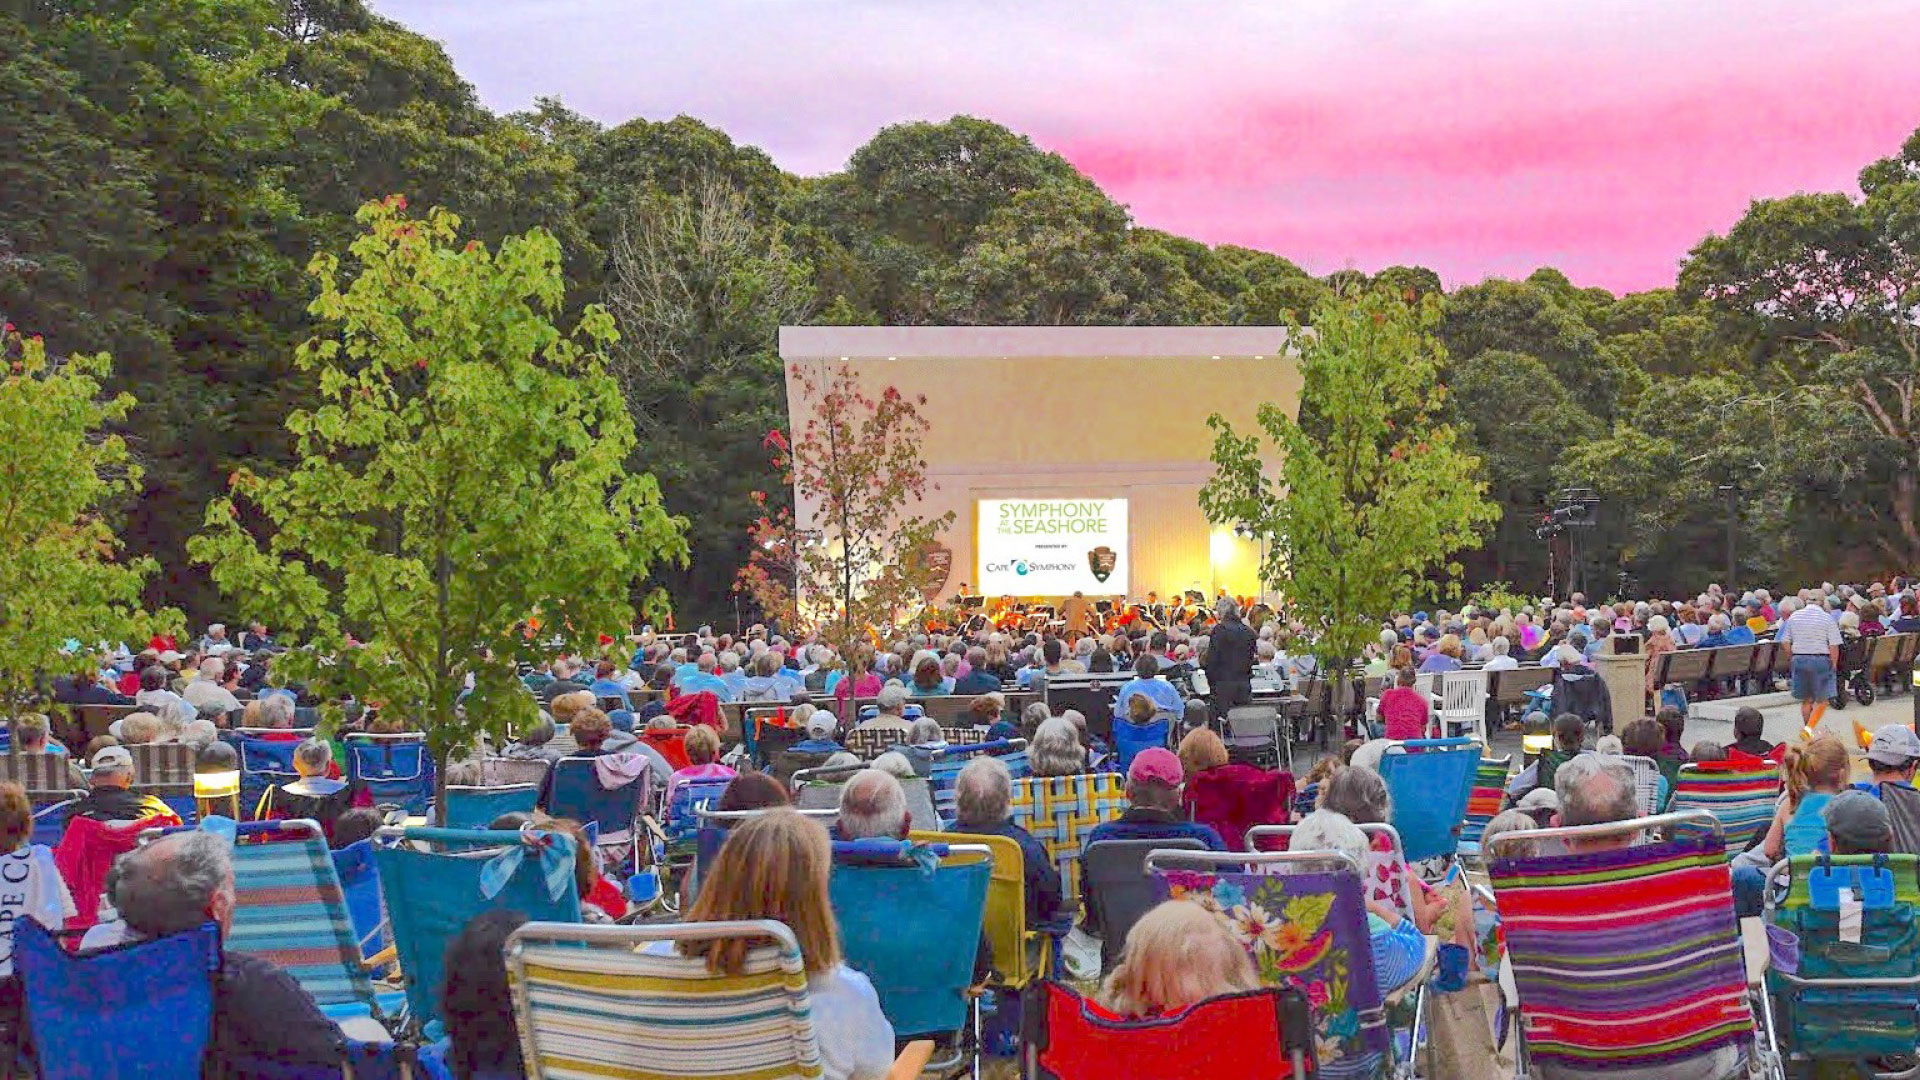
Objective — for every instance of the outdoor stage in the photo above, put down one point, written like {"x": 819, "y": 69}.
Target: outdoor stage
{"x": 1071, "y": 457}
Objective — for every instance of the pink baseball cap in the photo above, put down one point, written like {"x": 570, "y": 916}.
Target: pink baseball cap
{"x": 1157, "y": 765}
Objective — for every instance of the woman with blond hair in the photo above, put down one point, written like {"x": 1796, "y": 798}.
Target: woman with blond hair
{"x": 703, "y": 751}
{"x": 775, "y": 866}
{"x": 1177, "y": 955}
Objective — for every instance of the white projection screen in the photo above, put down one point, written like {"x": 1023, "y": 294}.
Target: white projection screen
{"x": 1050, "y": 547}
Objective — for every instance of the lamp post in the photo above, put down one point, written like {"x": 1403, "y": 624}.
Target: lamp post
{"x": 1727, "y": 493}
{"x": 216, "y": 781}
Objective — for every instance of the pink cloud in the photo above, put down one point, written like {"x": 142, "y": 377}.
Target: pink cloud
{"x": 1477, "y": 137}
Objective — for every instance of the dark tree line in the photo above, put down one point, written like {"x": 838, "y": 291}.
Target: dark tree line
{"x": 167, "y": 166}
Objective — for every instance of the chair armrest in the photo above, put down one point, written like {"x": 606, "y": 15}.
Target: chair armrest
{"x": 912, "y": 1061}
{"x": 381, "y": 959}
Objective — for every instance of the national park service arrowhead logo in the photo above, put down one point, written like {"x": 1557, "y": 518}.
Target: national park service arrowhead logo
{"x": 1102, "y": 559}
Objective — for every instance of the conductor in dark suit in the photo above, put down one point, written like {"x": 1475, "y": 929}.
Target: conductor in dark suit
{"x": 1229, "y": 664}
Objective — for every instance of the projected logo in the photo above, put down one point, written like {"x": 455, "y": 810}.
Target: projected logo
{"x": 1102, "y": 559}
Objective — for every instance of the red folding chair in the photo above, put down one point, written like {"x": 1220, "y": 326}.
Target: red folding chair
{"x": 1262, "y": 1033}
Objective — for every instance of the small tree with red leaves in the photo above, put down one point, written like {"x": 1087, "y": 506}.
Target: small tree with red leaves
{"x": 862, "y": 574}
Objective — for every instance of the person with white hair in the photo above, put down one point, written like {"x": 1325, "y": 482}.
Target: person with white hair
{"x": 313, "y": 794}
{"x": 1398, "y": 947}
{"x": 873, "y": 806}
{"x": 1055, "y": 749}
{"x": 983, "y": 795}
{"x": 891, "y": 707}
{"x": 1499, "y": 656}
{"x": 276, "y": 711}
{"x": 205, "y": 689}
{"x": 214, "y": 642}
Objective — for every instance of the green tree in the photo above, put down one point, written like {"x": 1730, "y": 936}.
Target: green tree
{"x": 62, "y": 573}
{"x": 856, "y": 463}
{"x": 1373, "y": 491}
{"x": 700, "y": 291}
{"x": 464, "y": 472}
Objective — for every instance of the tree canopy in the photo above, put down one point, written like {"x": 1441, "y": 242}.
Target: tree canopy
{"x": 168, "y": 167}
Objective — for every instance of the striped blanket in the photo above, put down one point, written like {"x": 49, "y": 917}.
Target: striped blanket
{"x": 1740, "y": 796}
{"x": 1624, "y": 958}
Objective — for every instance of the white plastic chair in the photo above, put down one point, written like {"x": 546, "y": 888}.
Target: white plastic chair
{"x": 1463, "y": 705}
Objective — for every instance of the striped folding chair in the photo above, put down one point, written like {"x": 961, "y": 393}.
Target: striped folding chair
{"x": 1060, "y": 811}
{"x": 1628, "y": 957}
{"x": 44, "y": 776}
{"x": 1739, "y": 795}
{"x": 165, "y": 770}
{"x": 1646, "y": 783}
{"x": 963, "y": 736}
{"x": 289, "y": 908}
{"x": 509, "y": 772}
{"x": 948, "y": 762}
{"x": 1483, "y": 802}
{"x": 620, "y": 1001}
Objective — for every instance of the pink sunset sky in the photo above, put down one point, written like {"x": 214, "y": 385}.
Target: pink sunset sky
{"x": 1477, "y": 137}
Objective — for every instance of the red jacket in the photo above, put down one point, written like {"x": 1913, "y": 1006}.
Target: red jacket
{"x": 700, "y": 708}
{"x": 87, "y": 851}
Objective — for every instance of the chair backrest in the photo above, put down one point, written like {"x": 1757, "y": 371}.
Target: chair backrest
{"x": 825, "y": 795}
{"x": 576, "y": 793}
{"x": 1429, "y": 781}
{"x": 1740, "y": 795}
{"x": 1869, "y": 975}
{"x": 671, "y": 744}
{"x": 1646, "y": 782}
{"x": 506, "y": 772}
{"x": 947, "y": 764}
{"x": 163, "y": 768}
{"x": 394, "y": 768}
{"x": 1236, "y": 798}
{"x": 289, "y": 908}
{"x": 963, "y": 736}
{"x": 873, "y": 742}
{"x": 1729, "y": 660}
{"x": 478, "y": 807}
{"x": 360, "y": 885}
{"x": 1313, "y": 933}
{"x": 144, "y": 1009}
{"x": 1463, "y": 701}
{"x": 689, "y": 798}
{"x": 1118, "y": 891}
{"x": 1061, "y": 810}
{"x": 598, "y": 1001}
{"x": 1684, "y": 666}
{"x": 1886, "y": 651}
{"x": 1484, "y": 798}
{"x": 431, "y": 895}
{"x": 50, "y": 819}
{"x": 1071, "y": 1038}
{"x": 915, "y": 935}
{"x": 1130, "y": 738}
{"x": 266, "y": 759}
{"x": 1654, "y": 936}
{"x": 1006, "y": 912}
{"x": 1511, "y": 687}
{"x": 1903, "y": 806}
{"x": 44, "y": 776}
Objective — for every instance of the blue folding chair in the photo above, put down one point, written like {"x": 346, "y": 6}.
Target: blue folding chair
{"x": 948, "y": 761}
{"x": 1429, "y": 781}
{"x": 143, "y": 1009}
{"x": 50, "y": 821}
{"x": 393, "y": 768}
{"x": 915, "y": 930}
{"x": 480, "y": 807}
{"x": 1130, "y": 738}
{"x": 683, "y": 812}
{"x": 266, "y": 759}
{"x": 360, "y": 884}
{"x": 614, "y": 813}
{"x": 431, "y": 895}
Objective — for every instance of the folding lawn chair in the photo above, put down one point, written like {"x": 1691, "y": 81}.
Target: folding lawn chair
{"x": 612, "y": 1001}
{"x": 1852, "y": 994}
{"x": 1130, "y": 738}
{"x": 393, "y": 768}
{"x": 1646, "y": 783}
{"x": 1238, "y": 798}
{"x": 1259, "y": 1033}
{"x": 1739, "y": 795}
{"x": 1118, "y": 891}
{"x": 872, "y": 742}
{"x": 512, "y": 772}
{"x": 1429, "y": 781}
{"x": 479, "y": 807}
{"x": 266, "y": 759}
{"x": 431, "y": 895}
{"x": 360, "y": 886}
{"x": 915, "y": 933}
{"x": 1021, "y": 953}
{"x": 819, "y": 789}
{"x": 50, "y": 820}
{"x": 948, "y": 762}
{"x": 143, "y": 1009}
{"x": 1483, "y": 802}
{"x": 1629, "y": 958}
{"x": 1061, "y": 810}
{"x": 1313, "y": 939}
{"x": 165, "y": 770}
{"x": 577, "y": 793}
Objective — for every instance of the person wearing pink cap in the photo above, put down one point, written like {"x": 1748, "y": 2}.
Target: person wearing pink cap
{"x": 1154, "y": 812}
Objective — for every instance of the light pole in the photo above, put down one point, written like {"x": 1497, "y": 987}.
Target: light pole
{"x": 1727, "y": 493}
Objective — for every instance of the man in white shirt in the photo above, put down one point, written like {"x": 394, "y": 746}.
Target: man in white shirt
{"x": 1815, "y": 640}
{"x": 1500, "y": 660}
{"x": 206, "y": 689}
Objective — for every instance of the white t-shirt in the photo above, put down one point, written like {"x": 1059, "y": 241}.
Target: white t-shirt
{"x": 30, "y": 885}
